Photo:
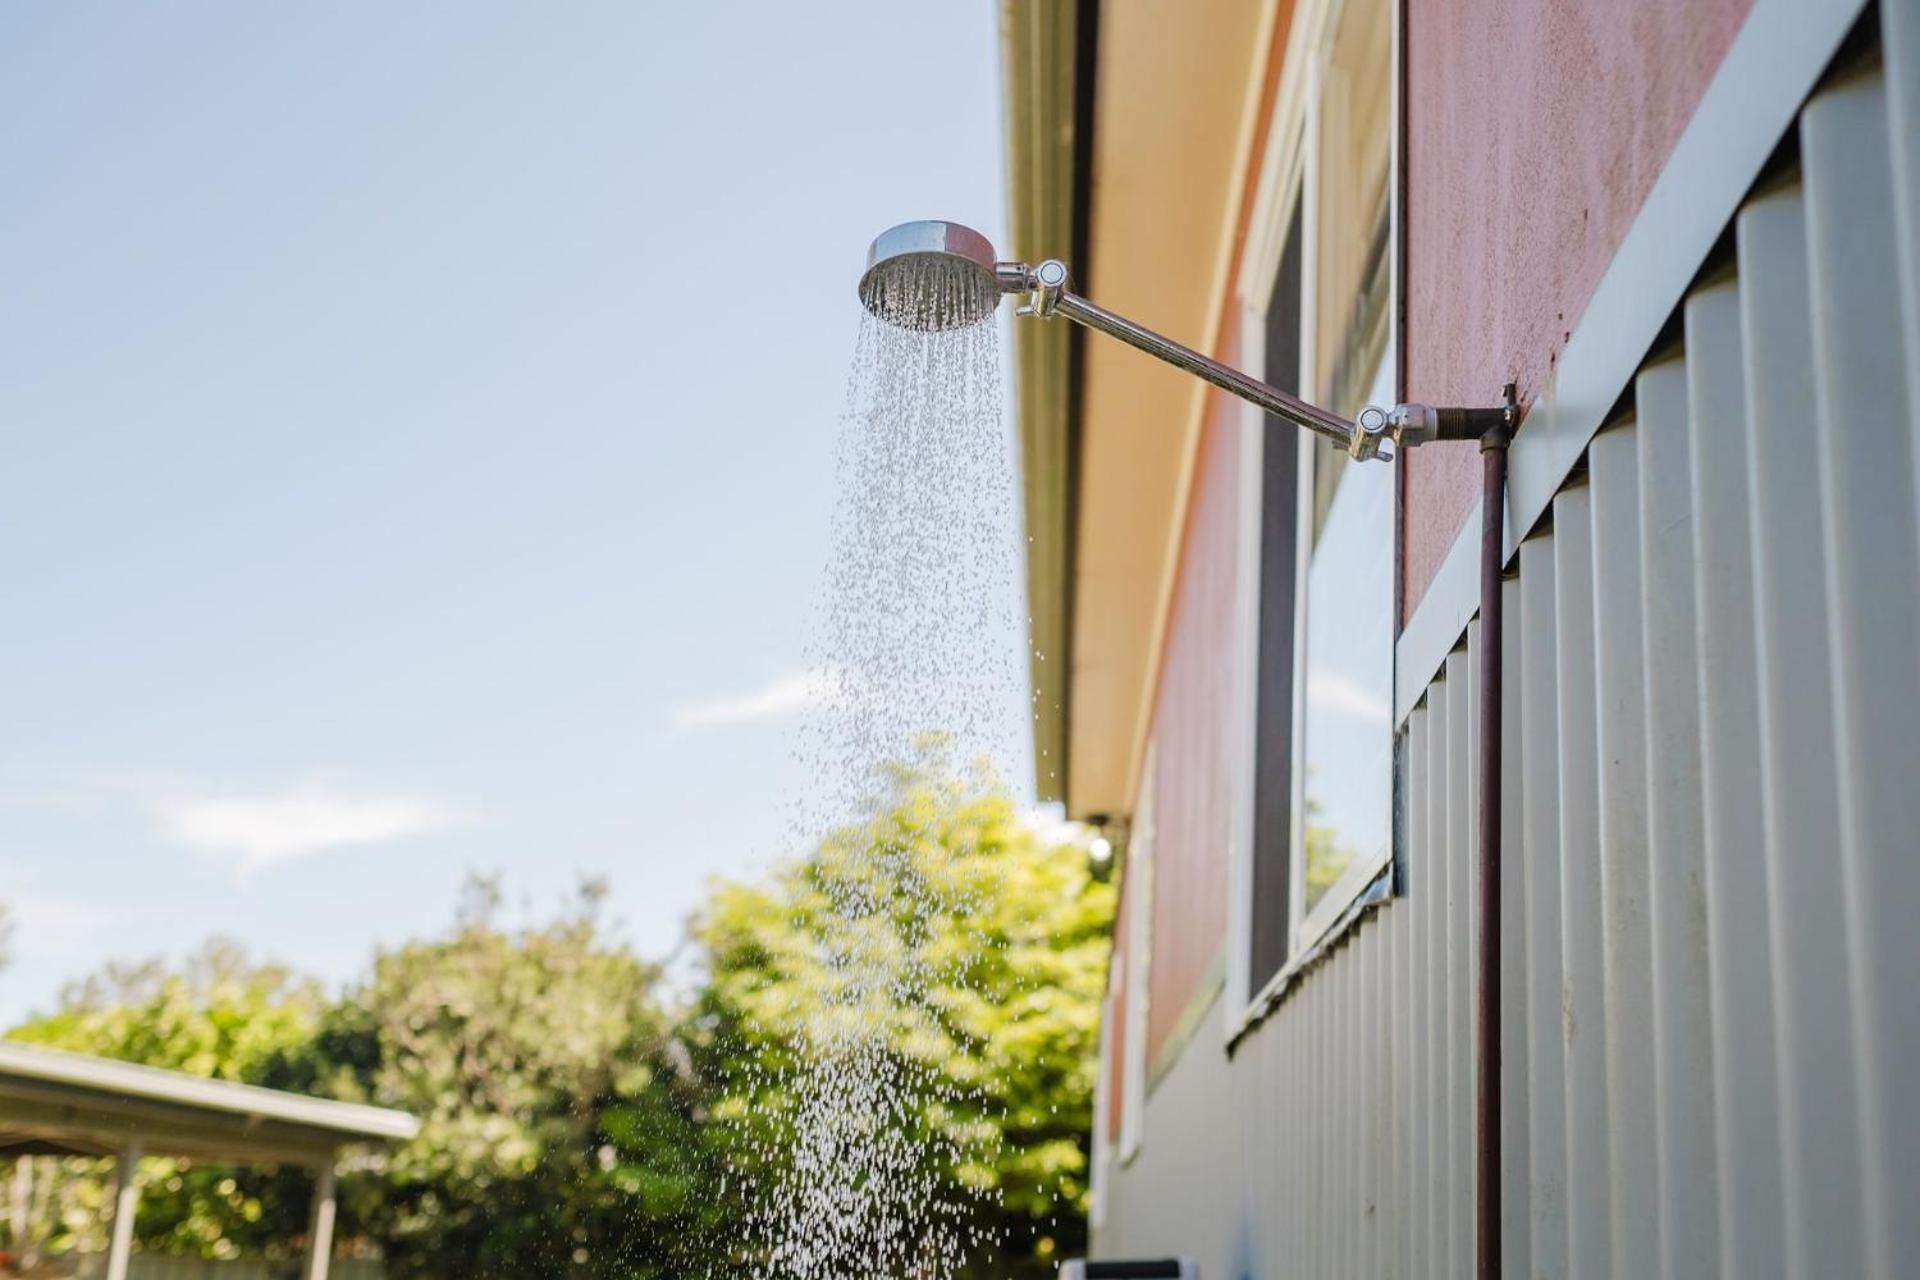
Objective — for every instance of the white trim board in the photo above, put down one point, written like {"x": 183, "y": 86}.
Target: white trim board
{"x": 1434, "y": 630}
{"x": 1246, "y": 702}
{"x": 1774, "y": 63}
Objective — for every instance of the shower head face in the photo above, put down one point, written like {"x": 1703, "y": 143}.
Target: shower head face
{"x": 930, "y": 277}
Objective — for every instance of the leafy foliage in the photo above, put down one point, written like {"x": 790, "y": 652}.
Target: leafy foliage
{"x": 1015, "y": 936}
{"x": 555, "y": 1122}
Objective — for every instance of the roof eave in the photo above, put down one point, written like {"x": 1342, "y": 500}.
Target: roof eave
{"x": 1048, "y": 59}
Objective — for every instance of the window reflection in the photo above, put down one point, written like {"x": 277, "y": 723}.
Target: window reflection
{"x": 1347, "y": 711}
{"x": 1346, "y": 726}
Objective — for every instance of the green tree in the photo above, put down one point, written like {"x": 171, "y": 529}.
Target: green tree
{"x": 557, "y": 1110}
{"x": 556, "y": 1117}
{"x": 1012, "y": 935}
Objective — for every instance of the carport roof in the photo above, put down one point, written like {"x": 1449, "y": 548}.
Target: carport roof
{"x": 56, "y": 1102}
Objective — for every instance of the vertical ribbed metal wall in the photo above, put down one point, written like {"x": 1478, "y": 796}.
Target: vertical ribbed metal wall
{"x": 1713, "y": 825}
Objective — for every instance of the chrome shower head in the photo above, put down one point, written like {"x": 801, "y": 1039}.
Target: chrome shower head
{"x": 933, "y": 276}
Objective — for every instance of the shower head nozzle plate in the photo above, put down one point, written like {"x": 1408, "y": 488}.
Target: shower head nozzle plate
{"x": 930, "y": 276}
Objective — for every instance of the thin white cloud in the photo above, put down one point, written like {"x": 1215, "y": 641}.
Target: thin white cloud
{"x": 788, "y": 695}
{"x": 264, "y": 829}
{"x": 1341, "y": 695}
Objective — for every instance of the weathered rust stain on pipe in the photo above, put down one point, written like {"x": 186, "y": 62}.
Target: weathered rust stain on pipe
{"x": 1493, "y": 505}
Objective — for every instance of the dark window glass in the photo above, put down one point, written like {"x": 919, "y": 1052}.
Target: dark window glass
{"x": 1279, "y": 534}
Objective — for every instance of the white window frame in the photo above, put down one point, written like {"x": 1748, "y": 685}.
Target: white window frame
{"x": 1100, "y": 1150}
{"x": 1289, "y": 168}
{"x": 1139, "y": 964}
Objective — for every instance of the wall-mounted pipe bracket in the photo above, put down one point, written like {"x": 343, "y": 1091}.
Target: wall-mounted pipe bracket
{"x": 1408, "y": 425}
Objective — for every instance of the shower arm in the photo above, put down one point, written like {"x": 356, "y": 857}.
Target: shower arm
{"x": 1404, "y": 425}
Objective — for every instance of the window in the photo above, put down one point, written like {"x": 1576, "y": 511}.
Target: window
{"x": 1347, "y": 159}
{"x": 1344, "y": 836}
{"x": 1351, "y": 224}
{"x": 1346, "y": 752}
{"x": 1317, "y": 813}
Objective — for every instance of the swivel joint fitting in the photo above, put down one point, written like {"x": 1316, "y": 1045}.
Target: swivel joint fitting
{"x": 1049, "y": 281}
{"x": 1371, "y": 430}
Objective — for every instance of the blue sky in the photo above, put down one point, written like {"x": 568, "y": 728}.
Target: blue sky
{"x": 418, "y": 446}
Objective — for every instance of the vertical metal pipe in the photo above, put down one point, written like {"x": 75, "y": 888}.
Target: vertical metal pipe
{"x": 1493, "y": 507}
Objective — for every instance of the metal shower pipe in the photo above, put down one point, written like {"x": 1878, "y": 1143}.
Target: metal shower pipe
{"x": 1487, "y": 1087}
{"x": 1404, "y": 425}
{"x": 1051, "y": 297}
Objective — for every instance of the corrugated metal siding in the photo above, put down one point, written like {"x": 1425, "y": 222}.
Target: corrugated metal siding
{"x": 1713, "y": 825}
{"x": 1867, "y": 474}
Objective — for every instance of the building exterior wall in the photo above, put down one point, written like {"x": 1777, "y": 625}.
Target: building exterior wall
{"x": 1169, "y": 114}
{"x": 1534, "y": 132}
{"x": 1193, "y": 714}
{"x": 1706, "y": 1008}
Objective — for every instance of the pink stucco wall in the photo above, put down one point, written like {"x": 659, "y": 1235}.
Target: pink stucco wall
{"x": 1192, "y": 730}
{"x": 1534, "y": 132}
